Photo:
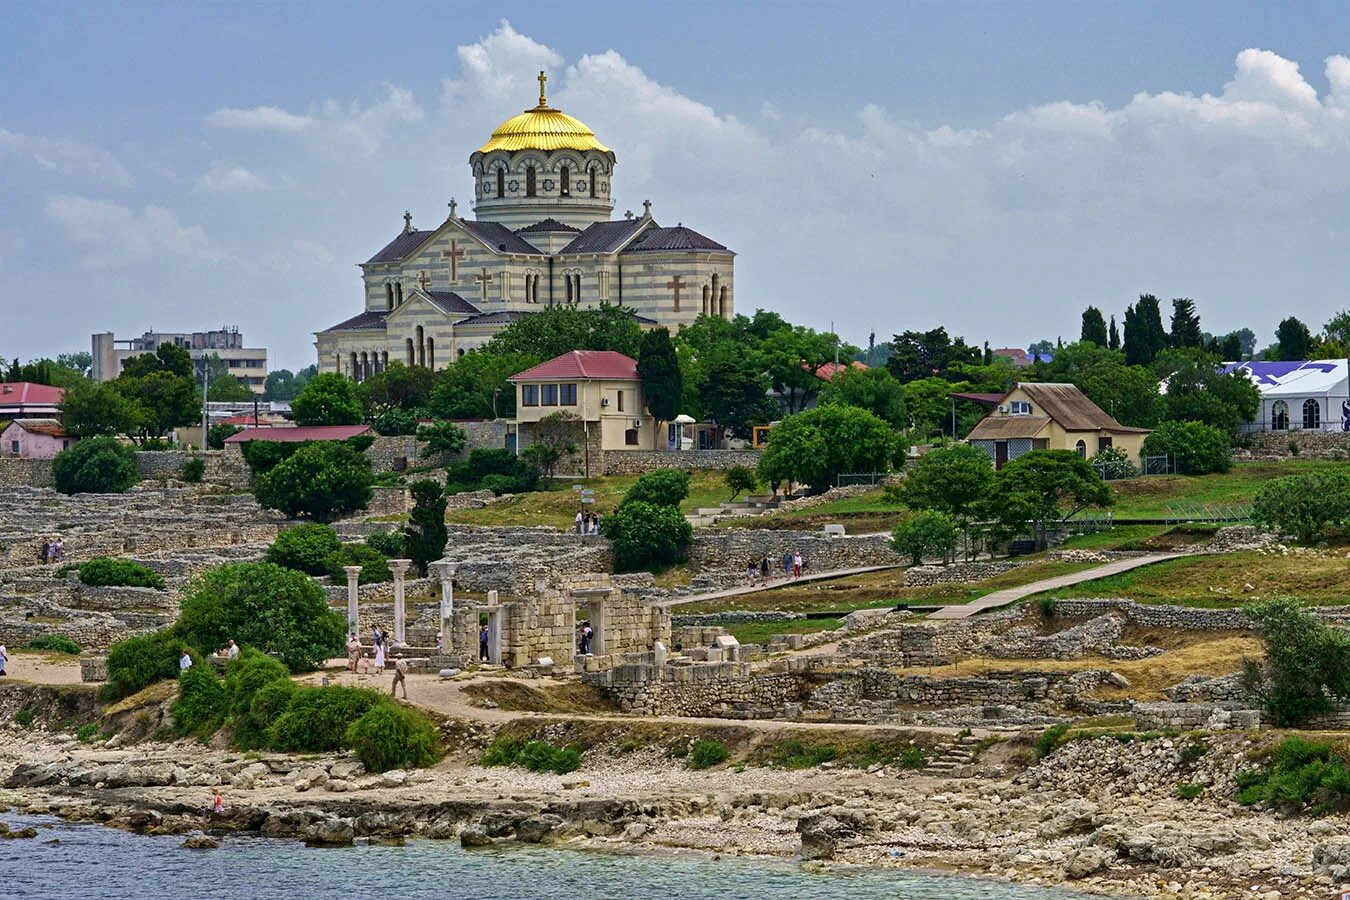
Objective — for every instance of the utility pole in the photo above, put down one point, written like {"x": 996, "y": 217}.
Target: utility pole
{"x": 206, "y": 374}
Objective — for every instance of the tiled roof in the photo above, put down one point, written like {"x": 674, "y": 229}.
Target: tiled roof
{"x": 494, "y": 318}
{"x": 583, "y": 364}
{"x": 1004, "y": 428}
{"x": 49, "y": 427}
{"x": 828, "y": 371}
{"x": 1070, "y": 407}
{"x": 603, "y": 237}
{"x": 26, "y": 393}
{"x": 300, "y": 433}
{"x": 985, "y": 399}
{"x": 547, "y": 226}
{"x": 451, "y": 303}
{"x": 678, "y": 238}
{"x": 400, "y": 247}
{"x": 499, "y": 237}
{"x": 369, "y": 320}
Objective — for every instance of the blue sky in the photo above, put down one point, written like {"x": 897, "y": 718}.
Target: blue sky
{"x": 993, "y": 167}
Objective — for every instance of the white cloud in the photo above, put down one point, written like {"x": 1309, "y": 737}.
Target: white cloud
{"x": 259, "y": 118}
{"x": 222, "y": 178}
{"x": 112, "y": 236}
{"x": 501, "y": 69}
{"x": 65, "y": 157}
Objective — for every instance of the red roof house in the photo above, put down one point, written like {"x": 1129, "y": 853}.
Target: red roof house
{"x": 300, "y": 433}
{"x": 583, "y": 365}
{"x": 26, "y": 400}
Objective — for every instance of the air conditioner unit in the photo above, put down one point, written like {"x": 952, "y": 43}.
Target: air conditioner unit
{"x": 1003, "y": 408}
{"x": 604, "y": 401}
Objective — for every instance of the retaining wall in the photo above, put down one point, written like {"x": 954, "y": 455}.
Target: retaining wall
{"x": 638, "y": 462}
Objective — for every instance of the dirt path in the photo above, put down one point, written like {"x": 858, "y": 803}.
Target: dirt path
{"x": 775, "y": 583}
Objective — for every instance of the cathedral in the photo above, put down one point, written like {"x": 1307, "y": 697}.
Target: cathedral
{"x": 542, "y": 234}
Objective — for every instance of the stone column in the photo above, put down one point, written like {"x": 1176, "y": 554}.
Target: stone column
{"x": 446, "y": 573}
{"x": 353, "y": 620}
{"x": 400, "y": 568}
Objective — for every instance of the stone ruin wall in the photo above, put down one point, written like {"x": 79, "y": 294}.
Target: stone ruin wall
{"x": 1311, "y": 444}
{"x": 719, "y": 690}
{"x": 640, "y": 462}
{"x": 733, "y": 548}
{"x": 961, "y": 572}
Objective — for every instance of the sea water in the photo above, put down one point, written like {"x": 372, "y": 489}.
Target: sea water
{"x": 91, "y": 862}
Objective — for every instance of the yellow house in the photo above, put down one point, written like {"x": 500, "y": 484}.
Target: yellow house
{"x": 601, "y": 388}
{"x": 1048, "y": 416}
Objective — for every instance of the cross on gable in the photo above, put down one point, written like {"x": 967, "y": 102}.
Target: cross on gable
{"x": 484, "y": 279}
{"x": 676, "y": 285}
{"x": 424, "y": 280}
{"x": 454, "y": 254}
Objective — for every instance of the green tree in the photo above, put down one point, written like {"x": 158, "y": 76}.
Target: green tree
{"x": 475, "y": 385}
{"x": 735, "y": 398}
{"x": 645, "y": 535}
{"x": 663, "y": 487}
{"x": 1128, "y": 393}
{"x": 96, "y": 465}
{"x": 659, "y": 369}
{"x": 228, "y": 389}
{"x": 400, "y": 387}
{"x": 426, "y": 534}
{"x": 1195, "y": 448}
{"x": 817, "y": 446}
{"x": 1307, "y": 663}
{"x": 322, "y": 480}
{"x": 441, "y": 437}
{"x": 1337, "y": 329}
{"x": 874, "y": 390}
{"x": 558, "y": 329}
{"x": 328, "y": 399}
{"x": 930, "y": 533}
{"x": 555, "y": 439}
{"x": 929, "y": 403}
{"x": 1185, "y": 324}
{"x": 265, "y": 606}
{"x": 1044, "y": 488}
{"x": 1113, "y": 336}
{"x": 81, "y": 363}
{"x": 1199, "y": 390}
{"x": 93, "y": 408}
{"x": 1293, "y": 339}
{"x": 395, "y": 421}
{"x": 924, "y": 354}
{"x": 1094, "y": 327}
{"x": 279, "y": 385}
{"x": 740, "y": 480}
{"x": 1307, "y": 506}
{"x": 1144, "y": 334}
{"x": 793, "y": 357}
{"x": 217, "y": 434}
{"x": 306, "y": 548}
{"x": 163, "y": 400}
{"x": 951, "y": 480}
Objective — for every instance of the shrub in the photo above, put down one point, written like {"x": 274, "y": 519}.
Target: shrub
{"x": 264, "y": 606}
{"x": 389, "y": 736}
{"x": 793, "y": 754}
{"x": 25, "y": 716}
{"x": 101, "y": 571}
{"x": 322, "y": 480}
{"x": 503, "y": 751}
{"x": 740, "y": 479}
{"x": 374, "y": 566}
{"x": 252, "y": 731}
{"x": 247, "y": 676}
{"x": 53, "y": 643}
{"x": 317, "y": 718}
{"x": 96, "y": 465}
{"x": 1048, "y": 606}
{"x": 929, "y": 533}
{"x": 327, "y": 399}
{"x": 1050, "y": 739}
{"x": 87, "y": 732}
{"x": 1299, "y": 776}
{"x": 1186, "y": 791}
{"x": 263, "y": 456}
{"x": 664, "y": 487}
{"x": 815, "y": 447}
{"x": 216, "y": 435}
{"x": 193, "y": 470}
{"x": 1195, "y": 448}
{"x": 441, "y": 437}
{"x": 537, "y": 756}
{"x": 1113, "y": 463}
{"x": 1307, "y": 663}
{"x": 645, "y": 535}
{"x": 912, "y": 758}
{"x": 140, "y": 661}
{"x": 505, "y": 484}
{"x": 1306, "y": 506}
{"x": 200, "y": 706}
{"x": 306, "y": 548}
{"x": 706, "y": 753}
{"x": 395, "y": 422}
{"x": 387, "y": 543}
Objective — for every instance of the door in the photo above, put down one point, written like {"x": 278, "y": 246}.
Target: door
{"x": 1000, "y": 454}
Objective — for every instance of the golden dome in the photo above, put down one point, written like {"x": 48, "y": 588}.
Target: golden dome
{"x": 542, "y": 128}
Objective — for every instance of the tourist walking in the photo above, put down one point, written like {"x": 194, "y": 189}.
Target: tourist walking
{"x": 4, "y": 658}
{"x": 184, "y": 661}
{"x": 45, "y": 554}
{"x": 400, "y": 677}
{"x": 580, "y": 521}
{"x": 375, "y": 637}
{"x": 353, "y": 652}
{"x": 379, "y": 658}
{"x": 764, "y": 570}
{"x": 59, "y": 550}
{"x": 587, "y": 634}
{"x": 232, "y": 651}
{"x": 750, "y": 571}
{"x": 787, "y": 564}
{"x": 796, "y": 564}
{"x": 483, "y": 641}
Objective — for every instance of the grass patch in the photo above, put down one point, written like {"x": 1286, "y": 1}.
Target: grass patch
{"x": 537, "y": 756}
{"x": 761, "y": 632}
{"x": 87, "y": 732}
{"x": 806, "y": 749}
{"x": 53, "y": 643}
{"x": 706, "y": 753}
{"x": 1150, "y": 497}
{"x": 1189, "y": 791}
{"x": 25, "y": 717}
{"x": 1221, "y": 580}
{"x": 1298, "y": 776}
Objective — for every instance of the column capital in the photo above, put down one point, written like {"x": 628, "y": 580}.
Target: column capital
{"x": 352, "y": 571}
{"x": 399, "y": 567}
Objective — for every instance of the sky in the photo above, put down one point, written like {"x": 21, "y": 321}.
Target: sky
{"x": 882, "y": 166}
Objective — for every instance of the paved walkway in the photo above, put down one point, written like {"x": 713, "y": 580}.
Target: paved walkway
{"x": 775, "y": 583}
{"x": 1008, "y": 596}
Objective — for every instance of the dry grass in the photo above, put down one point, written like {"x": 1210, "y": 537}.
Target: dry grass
{"x": 516, "y": 696}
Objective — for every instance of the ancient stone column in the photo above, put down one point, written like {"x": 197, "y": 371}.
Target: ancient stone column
{"x": 400, "y": 568}
{"x": 446, "y": 573}
{"x": 353, "y": 620}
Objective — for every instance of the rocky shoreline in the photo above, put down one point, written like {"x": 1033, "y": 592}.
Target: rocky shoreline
{"x": 1098, "y": 815}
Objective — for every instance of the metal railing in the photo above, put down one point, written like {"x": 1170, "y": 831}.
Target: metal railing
{"x": 1174, "y": 513}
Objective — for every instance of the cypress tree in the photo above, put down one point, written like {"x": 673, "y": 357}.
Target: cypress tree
{"x": 1150, "y": 318}
{"x": 659, "y": 369}
{"x": 1094, "y": 327}
{"x": 1113, "y": 341}
{"x": 1185, "y": 324}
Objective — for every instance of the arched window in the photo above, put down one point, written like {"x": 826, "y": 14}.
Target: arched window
{"x": 421, "y": 347}
{"x": 412, "y": 360}
{"x": 398, "y": 294}
{"x": 461, "y": 352}
{"x": 1312, "y": 414}
{"x": 352, "y": 370}
{"x": 529, "y": 181}
{"x": 722, "y": 302}
{"x": 389, "y": 296}
{"x": 565, "y": 180}
{"x": 568, "y": 279}
{"x": 501, "y": 183}
{"x": 431, "y": 353}
{"x": 1279, "y": 416}
{"x": 595, "y": 176}
{"x": 1082, "y": 449}
{"x": 707, "y": 307}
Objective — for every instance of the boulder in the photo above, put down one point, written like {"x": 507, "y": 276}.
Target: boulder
{"x": 536, "y": 829}
{"x": 7, "y": 833}
{"x": 199, "y": 842}
{"x": 823, "y": 830}
{"x": 474, "y": 836}
{"x": 499, "y": 824}
{"x": 1088, "y": 860}
{"x": 1073, "y": 817}
{"x": 330, "y": 833}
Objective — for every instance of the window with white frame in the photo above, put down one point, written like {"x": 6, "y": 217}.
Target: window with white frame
{"x": 1021, "y": 408}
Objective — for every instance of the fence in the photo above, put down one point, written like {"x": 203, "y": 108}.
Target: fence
{"x": 853, "y": 478}
{"x": 1206, "y": 512}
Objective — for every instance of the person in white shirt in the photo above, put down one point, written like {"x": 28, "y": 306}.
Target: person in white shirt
{"x": 232, "y": 650}
{"x": 184, "y": 662}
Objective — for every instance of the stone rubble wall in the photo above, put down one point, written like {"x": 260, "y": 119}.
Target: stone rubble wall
{"x": 733, "y": 548}
{"x": 517, "y": 560}
{"x": 639, "y": 462}
{"x": 720, "y": 690}
{"x": 1311, "y": 444}
{"x": 1191, "y": 716}
{"x": 1182, "y": 617}
{"x": 961, "y": 572}
{"x": 35, "y": 473}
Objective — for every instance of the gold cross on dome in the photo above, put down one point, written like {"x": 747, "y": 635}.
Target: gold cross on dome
{"x": 543, "y": 100}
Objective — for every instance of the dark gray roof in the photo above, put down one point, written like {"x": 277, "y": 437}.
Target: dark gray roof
{"x": 499, "y": 237}
{"x": 370, "y": 319}
{"x": 549, "y": 225}
{"x": 603, "y": 237}
{"x": 451, "y": 303}
{"x": 495, "y": 318}
{"x": 678, "y": 238}
{"x": 400, "y": 247}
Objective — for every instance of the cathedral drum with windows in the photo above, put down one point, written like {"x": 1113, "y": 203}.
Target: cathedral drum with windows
{"x": 542, "y": 235}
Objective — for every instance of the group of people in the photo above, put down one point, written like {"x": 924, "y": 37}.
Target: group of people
{"x": 760, "y": 570}
{"x": 229, "y": 651}
{"x": 587, "y": 523}
{"x": 585, "y": 637}
{"x": 53, "y": 550}
{"x": 361, "y": 663}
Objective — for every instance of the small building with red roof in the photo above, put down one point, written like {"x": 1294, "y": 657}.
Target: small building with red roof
{"x": 26, "y": 400}
{"x": 33, "y": 439}
{"x": 297, "y": 434}
{"x": 601, "y": 388}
